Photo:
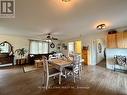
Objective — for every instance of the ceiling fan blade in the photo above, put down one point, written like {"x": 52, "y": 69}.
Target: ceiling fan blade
{"x": 54, "y": 38}
{"x": 49, "y": 37}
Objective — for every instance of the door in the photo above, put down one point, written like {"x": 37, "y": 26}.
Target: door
{"x": 85, "y": 55}
{"x": 97, "y": 53}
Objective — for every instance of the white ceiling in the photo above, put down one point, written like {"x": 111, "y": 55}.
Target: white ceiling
{"x": 66, "y": 20}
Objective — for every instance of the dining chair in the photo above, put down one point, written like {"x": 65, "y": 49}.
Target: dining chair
{"x": 52, "y": 57}
{"x": 49, "y": 72}
{"x": 75, "y": 69}
{"x": 81, "y": 62}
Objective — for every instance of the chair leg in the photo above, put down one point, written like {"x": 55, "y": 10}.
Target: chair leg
{"x": 65, "y": 74}
{"x": 47, "y": 80}
{"x": 54, "y": 77}
{"x": 79, "y": 74}
{"x": 23, "y": 69}
{"x": 43, "y": 83}
{"x": 81, "y": 66}
{"x": 74, "y": 76}
{"x": 74, "y": 79}
{"x": 60, "y": 78}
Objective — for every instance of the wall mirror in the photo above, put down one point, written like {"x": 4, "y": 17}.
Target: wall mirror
{"x": 6, "y": 47}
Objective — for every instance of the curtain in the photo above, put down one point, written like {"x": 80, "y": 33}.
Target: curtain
{"x": 38, "y": 47}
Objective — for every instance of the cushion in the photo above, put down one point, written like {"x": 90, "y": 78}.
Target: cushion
{"x": 120, "y": 60}
{"x": 70, "y": 68}
{"x": 53, "y": 71}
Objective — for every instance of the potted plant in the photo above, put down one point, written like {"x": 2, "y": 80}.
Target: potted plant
{"x": 21, "y": 53}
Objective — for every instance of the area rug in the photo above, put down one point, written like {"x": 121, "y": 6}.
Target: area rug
{"x": 30, "y": 68}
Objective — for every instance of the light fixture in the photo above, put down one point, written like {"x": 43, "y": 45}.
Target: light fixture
{"x": 66, "y": 0}
{"x": 101, "y": 26}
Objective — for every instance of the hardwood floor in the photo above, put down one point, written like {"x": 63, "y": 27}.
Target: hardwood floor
{"x": 95, "y": 80}
{"x": 102, "y": 63}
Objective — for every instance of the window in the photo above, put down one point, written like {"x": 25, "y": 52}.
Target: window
{"x": 38, "y": 47}
{"x": 71, "y": 47}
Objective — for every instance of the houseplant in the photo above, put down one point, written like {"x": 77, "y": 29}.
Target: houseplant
{"x": 21, "y": 53}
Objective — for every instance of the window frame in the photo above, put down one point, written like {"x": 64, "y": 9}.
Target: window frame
{"x": 38, "y": 50}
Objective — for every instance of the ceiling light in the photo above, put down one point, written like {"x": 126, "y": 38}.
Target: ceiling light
{"x": 101, "y": 26}
{"x": 66, "y": 0}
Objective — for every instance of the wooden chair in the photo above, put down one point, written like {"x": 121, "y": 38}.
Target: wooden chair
{"x": 49, "y": 72}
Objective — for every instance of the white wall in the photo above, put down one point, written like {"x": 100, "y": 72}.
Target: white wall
{"x": 110, "y": 53}
{"x": 56, "y": 46}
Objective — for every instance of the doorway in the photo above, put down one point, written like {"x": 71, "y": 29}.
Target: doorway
{"x": 97, "y": 53}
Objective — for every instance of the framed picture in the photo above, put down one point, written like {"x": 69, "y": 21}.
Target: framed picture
{"x": 65, "y": 47}
{"x": 52, "y": 45}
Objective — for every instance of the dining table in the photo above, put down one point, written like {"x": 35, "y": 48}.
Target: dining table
{"x": 62, "y": 63}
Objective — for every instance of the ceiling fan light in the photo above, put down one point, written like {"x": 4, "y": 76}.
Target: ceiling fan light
{"x": 66, "y": 0}
{"x": 101, "y": 26}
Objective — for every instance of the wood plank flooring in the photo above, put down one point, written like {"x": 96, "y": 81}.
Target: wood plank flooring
{"x": 95, "y": 80}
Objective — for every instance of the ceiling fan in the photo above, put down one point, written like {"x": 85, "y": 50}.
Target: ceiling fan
{"x": 50, "y": 37}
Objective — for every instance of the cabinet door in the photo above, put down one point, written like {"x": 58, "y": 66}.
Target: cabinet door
{"x": 112, "y": 41}
{"x": 125, "y": 39}
{"x": 85, "y": 56}
{"x": 120, "y": 41}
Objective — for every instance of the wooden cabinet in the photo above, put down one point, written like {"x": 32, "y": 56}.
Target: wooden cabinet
{"x": 21, "y": 61}
{"x": 125, "y": 39}
{"x": 117, "y": 40}
{"x": 120, "y": 41}
{"x": 112, "y": 40}
{"x": 5, "y": 58}
{"x": 85, "y": 55}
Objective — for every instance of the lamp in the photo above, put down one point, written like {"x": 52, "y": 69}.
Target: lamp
{"x": 101, "y": 26}
{"x": 66, "y": 0}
